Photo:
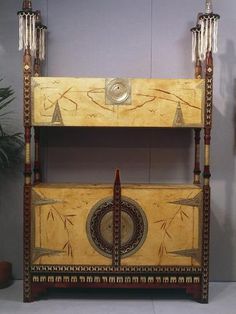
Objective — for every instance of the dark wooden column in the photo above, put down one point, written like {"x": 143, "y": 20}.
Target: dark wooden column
{"x": 27, "y": 70}
{"x": 197, "y": 132}
{"x": 37, "y": 73}
{"x": 207, "y": 175}
{"x": 116, "y": 221}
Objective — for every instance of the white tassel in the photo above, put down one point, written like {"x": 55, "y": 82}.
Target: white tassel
{"x": 202, "y": 40}
{"x": 194, "y": 46}
{"x": 206, "y": 37}
{"x": 20, "y": 32}
{"x": 23, "y": 30}
{"x": 34, "y": 35}
{"x": 210, "y": 34}
{"x": 215, "y": 36}
{"x": 44, "y": 44}
{"x": 40, "y": 44}
{"x": 26, "y": 31}
{"x": 30, "y": 32}
{"x": 199, "y": 44}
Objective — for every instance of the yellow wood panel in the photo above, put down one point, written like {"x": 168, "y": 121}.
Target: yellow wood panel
{"x": 83, "y": 102}
{"x": 60, "y": 213}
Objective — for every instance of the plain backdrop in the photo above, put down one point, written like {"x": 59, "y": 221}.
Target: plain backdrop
{"x": 125, "y": 38}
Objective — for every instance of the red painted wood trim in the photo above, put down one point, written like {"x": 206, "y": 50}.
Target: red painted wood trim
{"x": 116, "y": 221}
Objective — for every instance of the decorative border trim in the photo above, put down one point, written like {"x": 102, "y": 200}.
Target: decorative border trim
{"x": 121, "y": 269}
{"x": 115, "y": 279}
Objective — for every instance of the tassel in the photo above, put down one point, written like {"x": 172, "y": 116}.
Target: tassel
{"x": 44, "y": 43}
{"x": 40, "y": 44}
{"x": 20, "y": 32}
{"x": 30, "y": 32}
{"x": 194, "y": 45}
{"x": 215, "y": 35}
{"x": 199, "y": 43}
{"x": 27, "y": 36}
{"x": 26, "y": 31}
{"x": 206, "y": 36}
{"x": 210, "y": 34}
{"x": 34, "y": 35}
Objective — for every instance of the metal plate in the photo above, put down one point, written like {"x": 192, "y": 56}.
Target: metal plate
{"x": 133, "y": 227}
{"x": 118, "y": 91}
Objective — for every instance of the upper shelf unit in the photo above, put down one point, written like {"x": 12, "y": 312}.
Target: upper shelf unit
{"x": 117, "y": 102}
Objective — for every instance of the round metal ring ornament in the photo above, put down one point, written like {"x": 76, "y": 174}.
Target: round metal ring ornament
{"x": 133, "y": 227}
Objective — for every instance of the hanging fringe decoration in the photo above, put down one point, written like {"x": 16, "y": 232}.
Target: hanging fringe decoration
{"x": 41, "y": 33}
{"x": 32, "y": 34}
{"x": 204, "y": 35}
{"x": 41, "y": 37}
{"x": 209, "y": 34}
{"x": 27, "y": 37}
{"x": 196, "y": 42}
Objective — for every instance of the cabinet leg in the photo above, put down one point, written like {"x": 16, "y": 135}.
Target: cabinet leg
{"x": 27, "y": 297}
{"x": 34, "y": 292}
{"x": 196, "y": 293}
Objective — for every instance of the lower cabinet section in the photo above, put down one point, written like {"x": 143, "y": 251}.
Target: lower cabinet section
{"x": 160, "y": 225}
{"x": 160, "y": 237}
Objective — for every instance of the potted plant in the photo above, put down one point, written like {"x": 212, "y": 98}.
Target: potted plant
{"x": 11, "y": 146}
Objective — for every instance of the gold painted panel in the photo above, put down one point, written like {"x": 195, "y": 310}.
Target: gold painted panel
{"x": 126, "y": 103}
{"x": 60, "y": 214}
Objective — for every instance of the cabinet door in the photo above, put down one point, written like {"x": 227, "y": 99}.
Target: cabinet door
{"x": 160, "y": 225}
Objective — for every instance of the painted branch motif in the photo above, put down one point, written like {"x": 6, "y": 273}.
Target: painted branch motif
{"x": 66, "y": 221}
{"x": 84, "y": 102}
{"x": 166, "y": 223}
{"x": 165, "y": 226}
{"x": 40, "y": 200}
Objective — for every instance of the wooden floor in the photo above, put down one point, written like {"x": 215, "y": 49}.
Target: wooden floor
{"x": 222, "y": 301}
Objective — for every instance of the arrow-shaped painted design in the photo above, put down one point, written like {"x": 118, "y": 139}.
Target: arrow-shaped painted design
{"x": 39, "y": 252}
{"x": 38, "y": 200}
{"x": 194, "y": 253}
{"x": 196, "y": 201}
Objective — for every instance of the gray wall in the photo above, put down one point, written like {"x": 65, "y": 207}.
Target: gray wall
{"x": 126, "y": 38}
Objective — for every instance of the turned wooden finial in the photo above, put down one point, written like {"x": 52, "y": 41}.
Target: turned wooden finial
{"x": 27, "y": 5}
{"x": 209, "y": 6}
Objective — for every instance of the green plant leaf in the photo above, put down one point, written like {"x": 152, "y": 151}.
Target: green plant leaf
{"x": 11, "y": 145}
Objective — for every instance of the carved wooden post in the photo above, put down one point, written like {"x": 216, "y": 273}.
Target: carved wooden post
{"x": 204, "y": 44}
{"x": 27, "y": 174}
{"x": 197, "y": 170}
{"x": 207, "y": 174}
{"x": 198, "y": 75}
{"x": 116, "y": 221}
{"x": 27, "y": 44}
{"x": 37, "y": 73}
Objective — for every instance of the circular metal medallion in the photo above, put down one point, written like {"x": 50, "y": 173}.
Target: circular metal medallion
{"x": 133, "y": 227}
{"x": 118, "y": 90}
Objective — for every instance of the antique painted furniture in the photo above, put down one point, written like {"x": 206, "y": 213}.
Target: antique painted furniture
{"x": 117, "y": 235}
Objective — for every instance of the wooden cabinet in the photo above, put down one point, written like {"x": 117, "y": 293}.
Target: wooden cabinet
{"x": 117, "y": 235}
{"x": 121, "y": 235}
